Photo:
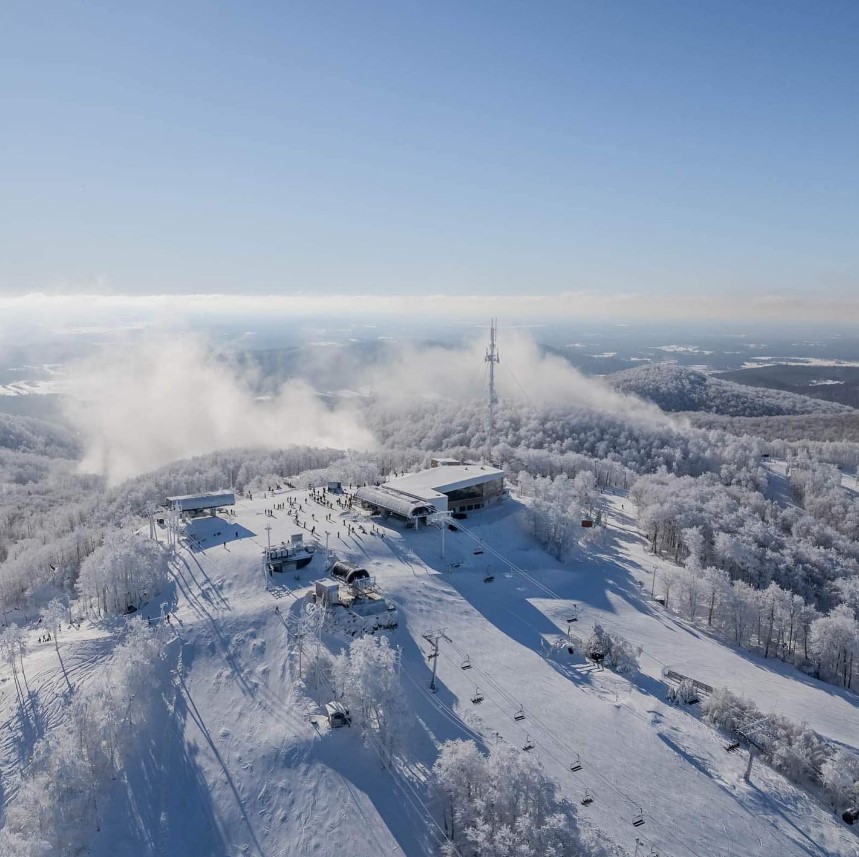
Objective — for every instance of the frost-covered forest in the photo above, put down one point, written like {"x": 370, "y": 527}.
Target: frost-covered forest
{"x": 678, "y": 388}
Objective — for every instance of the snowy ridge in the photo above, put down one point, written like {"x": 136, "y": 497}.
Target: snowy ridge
{"x": 677, "y": 388}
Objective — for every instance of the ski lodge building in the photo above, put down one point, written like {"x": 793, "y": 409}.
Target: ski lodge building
{"x": 443, "y": 488}
{"x": 198, "y": 504}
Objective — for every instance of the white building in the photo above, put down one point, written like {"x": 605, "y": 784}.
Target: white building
{"x": 209, "y": 501}
{"x": 443, "y": 488}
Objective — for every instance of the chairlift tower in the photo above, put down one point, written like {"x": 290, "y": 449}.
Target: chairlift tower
{"x": 433, "y": 638}
{"x": 492, "y": 359}
{"x": 150, "y": 513}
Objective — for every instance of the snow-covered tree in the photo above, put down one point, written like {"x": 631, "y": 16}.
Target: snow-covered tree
{"x": 366, "y": 679}
{"x": 839, "y": 774}
{"x": 126, "y": 571}
{"x": 835, "y": 643}
{"x": 502, "y": 805}
{"x": 56, "y": 808}
{"x": 684, "y": 693}
{"x": 612, "y": 650}
{"x": 13, "y": 647}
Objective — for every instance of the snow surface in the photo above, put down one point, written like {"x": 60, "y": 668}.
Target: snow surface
{"x": 241, "y": 769}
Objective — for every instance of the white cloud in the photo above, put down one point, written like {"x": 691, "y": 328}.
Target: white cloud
{"x": 97, "y": 310}
{"x": 145, "y": 405}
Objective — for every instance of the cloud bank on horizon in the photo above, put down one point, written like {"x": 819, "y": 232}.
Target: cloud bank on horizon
{"x": 42, "y": 315}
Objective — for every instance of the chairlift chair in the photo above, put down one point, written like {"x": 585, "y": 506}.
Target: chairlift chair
{"x": 478, "y": 696}
{"x": 639, "y": 819}
{"x": 734, "y": 745}
{"x": 529, "y": 744}
{"x": 588, "y": 799}
{"x": 489, "y": 578}
{"x": 520, "y": 714}
{"x": 466, "y": 664}
{"x": 577, "y": 765}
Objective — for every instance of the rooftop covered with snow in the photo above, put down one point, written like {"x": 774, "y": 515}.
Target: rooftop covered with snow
{"x": 436, "y": 482}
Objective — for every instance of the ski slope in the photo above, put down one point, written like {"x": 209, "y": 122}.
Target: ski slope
{"x": 237, "y": 767}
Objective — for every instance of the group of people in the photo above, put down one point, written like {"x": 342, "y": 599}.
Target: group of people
{"x": 293, "y": 506}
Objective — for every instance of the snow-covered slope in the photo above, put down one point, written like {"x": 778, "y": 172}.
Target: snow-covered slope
{"x": 235, "y": 767}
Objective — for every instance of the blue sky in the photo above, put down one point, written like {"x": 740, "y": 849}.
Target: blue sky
{"x": 656, "y": 153}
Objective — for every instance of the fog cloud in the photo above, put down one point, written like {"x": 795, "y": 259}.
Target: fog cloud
{"x": 525, "y": 373}
{"x": 142, "y": 405}
{"x": 145, "y": 405}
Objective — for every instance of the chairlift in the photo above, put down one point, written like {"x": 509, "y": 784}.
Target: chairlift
{"x": 520, "y": 714}
{"x": 488, "y": 578}
{"x": 588, "y": 799}
{"x": 639, "y": 819}
{"x": 478, "y": 696}
{"x": 577, "y": 765}
{"x": 466, "y": 664}
{"x": 477, "y": 551}
{"x": 432, "y": 656}
{"x": 529, "y": 744}
{"x": 734, "y": 745}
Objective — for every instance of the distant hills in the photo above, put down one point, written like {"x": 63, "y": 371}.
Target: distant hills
{"x": 829, "y": 383}
{"x": 678, "y": 388}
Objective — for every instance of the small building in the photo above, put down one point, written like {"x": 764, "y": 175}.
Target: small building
{"x": 327, "y": 592}
{"x": 449, "y": 487}
{"x": 380, "y": 499}
{"x": 338, "y": 714}
{"x": 444, "y": 462}
{"x": 197, "y": 504}
{"x": 350, "y": 574}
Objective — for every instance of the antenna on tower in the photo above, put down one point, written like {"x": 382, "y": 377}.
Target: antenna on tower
{"x": 491, "y": 358}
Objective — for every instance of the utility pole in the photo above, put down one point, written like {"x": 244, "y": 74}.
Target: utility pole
{"x": 491, "y": 358}
{"x": 433, "y": 637}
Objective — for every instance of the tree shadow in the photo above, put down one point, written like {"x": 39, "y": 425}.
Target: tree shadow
{"x": 163, "y": 803}
{"x": 204, "y": 533}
